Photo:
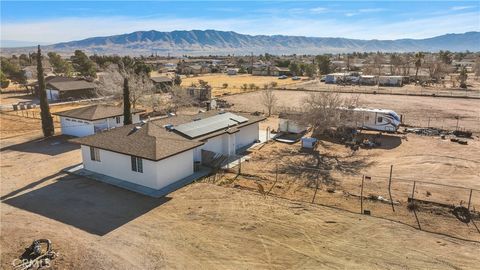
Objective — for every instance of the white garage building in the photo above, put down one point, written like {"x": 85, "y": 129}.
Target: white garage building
{"x": 160, "y": 153}
{"x": 92, "y": 119}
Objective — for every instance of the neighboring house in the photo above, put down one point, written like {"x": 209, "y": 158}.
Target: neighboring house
{"x": 89, "y": 120}
{"x": 162, "y": 152}
{"x": 63, "y": 88}
{"x": 261, "y": 71}
{"x": 198, "y": 93}
{"x": 280, "y": 71}
{"x": 162, "y": 83}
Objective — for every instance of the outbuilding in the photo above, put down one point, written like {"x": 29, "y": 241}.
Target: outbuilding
{"x": 89, "y": 120}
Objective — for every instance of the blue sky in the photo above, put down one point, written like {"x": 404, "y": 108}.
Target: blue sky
{"x": 56, "y": 21}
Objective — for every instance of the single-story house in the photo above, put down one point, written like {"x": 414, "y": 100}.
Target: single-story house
{"x": 62, "y": 88}
{"x": 162, "y": 152}
{"x": 162, "y": 83}
{"x": 280, "y": 71}
{"x": 89, "y": 120}
{"x": 390, "y": 80}
{"x": 198, "y": 93}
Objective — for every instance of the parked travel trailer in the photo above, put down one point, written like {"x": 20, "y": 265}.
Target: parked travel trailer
{"x": 376, "y": 119}
{"x": 390, "y": 80}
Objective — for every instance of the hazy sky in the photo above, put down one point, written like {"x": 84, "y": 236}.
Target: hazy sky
{"x": 56, "y": 21}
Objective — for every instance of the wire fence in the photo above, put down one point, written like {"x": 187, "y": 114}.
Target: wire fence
{"x": 423, "y": 204}
{"x": 359, "y": 89}
{"x": 444, "y": 123}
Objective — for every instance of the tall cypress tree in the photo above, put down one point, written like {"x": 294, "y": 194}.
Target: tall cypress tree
{"x": 127, "y": 115}
{"x": 47, "y": 120}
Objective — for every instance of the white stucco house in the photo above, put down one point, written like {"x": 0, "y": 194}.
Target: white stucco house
{"x": 89, "y": 120}
{"x": 159, "y": 153}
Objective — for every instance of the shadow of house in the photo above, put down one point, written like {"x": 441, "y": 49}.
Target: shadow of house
{"x": 51, "y": 146}
{"x": 94, "y": 207}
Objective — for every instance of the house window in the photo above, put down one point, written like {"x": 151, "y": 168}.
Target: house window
{"x": 380, "y": 119}
{"x": 117, "y": 119}
{"x": 94, "y": 154}
{"x": 137, "y": 164}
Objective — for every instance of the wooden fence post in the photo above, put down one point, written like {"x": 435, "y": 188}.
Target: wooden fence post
{"x": 361, "y": 195}
{"x": 413, "y": 206}
{"x": 470, "y": 199}
{"x": 389, "y": 188}
{"x": 276, "y": 178}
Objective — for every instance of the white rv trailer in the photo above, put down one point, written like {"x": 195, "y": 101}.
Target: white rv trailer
{"x": 376, "y": 119}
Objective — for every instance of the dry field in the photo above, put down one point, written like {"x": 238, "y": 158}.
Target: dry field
{"x": 201, "y": 226}
{"x": 235, "y": 82}
{"x": 416, "y": 110}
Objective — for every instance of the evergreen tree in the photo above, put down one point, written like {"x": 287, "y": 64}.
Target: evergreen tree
{"x": 47, "y": 120}
{"x": 127, "y": 115}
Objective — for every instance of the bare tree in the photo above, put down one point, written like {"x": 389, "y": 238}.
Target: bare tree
{"x": 269, "y": 100}
{"x": 324, "y": 111}
{"x": 110, "y": 83}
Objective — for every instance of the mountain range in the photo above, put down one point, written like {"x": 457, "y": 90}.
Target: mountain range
{"x": 204, "y": 42}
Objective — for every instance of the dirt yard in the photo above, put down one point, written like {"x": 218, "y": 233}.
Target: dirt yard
{"x": 202, "y": 226}
{"x": 235, "y": 82}
{"x": 416, "y": 110}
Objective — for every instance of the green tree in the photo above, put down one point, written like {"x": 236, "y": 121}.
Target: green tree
{"x": 418, "y": 62}
{"x": 324, "y": 64}
{"x": 463, "y": 77}
{"x": 83, "y": 65}
{"x": 47, "y": 120}
{"x": 177, "y": 80}
{"x": 127, "y": 115}
{"x": 4, "y": 82}
{"x": 294, "y": 68}
{"x": 60, "y": 66}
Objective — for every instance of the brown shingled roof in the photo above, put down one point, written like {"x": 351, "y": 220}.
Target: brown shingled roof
{"x": 95, "y": 112}
{"x": 153, "y": 141}
{"x": 150, "y": 141}
{"x": 71, "y": 85}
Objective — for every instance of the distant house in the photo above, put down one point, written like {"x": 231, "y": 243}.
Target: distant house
{"x": 162, "y": 83}
{"x": 198, "y": 93}
{"x": 162, "y": 155}
{"x": 261, "y": 71}
{"x": 280, "y": 71}
{"x": 93, "y": 119}
{"x": 63, "y": 88}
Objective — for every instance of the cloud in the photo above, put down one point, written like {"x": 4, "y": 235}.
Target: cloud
{"x": 73, "y": 28}
{"x": 461, "y": 8}
{"x": 318, "y": 10}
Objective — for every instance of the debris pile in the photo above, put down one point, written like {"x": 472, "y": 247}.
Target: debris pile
{"x": 37, "y": 256}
